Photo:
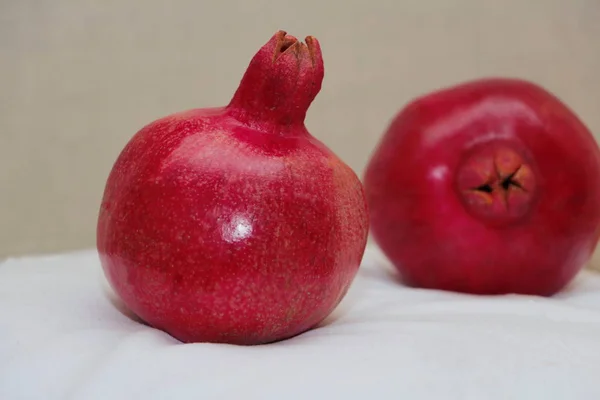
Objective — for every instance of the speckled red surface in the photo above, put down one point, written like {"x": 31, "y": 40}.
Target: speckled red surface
{"x": 492, "y": 186}
{"x": 234, "y": 224}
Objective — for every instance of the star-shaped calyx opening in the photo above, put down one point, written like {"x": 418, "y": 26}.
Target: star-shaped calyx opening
{"x": 496, "y": 181}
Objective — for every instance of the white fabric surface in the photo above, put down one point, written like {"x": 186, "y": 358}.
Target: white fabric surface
{"x": 61, "y": 337}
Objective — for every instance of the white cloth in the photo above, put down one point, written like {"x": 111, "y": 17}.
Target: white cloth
{"x": 61, "y": 337}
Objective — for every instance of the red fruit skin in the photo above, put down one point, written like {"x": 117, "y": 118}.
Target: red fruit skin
{"x": 439, "y": 238}
{"x": 234, "y": 224}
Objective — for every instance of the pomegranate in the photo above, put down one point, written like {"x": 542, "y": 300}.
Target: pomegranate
{"x": 234, "y": 224}
{"x": 491, "y": 186}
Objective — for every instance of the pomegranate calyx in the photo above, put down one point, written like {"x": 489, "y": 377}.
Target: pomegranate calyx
{"x": 279, "y": 85}
{"x": 496, "y": 182}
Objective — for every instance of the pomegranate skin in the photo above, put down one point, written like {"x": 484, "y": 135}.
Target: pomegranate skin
{"x": 234, "y": 224}
{"x": 488, "y": 187}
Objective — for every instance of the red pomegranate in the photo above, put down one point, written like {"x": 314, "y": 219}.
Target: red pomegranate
{"x": 487, "y": 187}
{"x": 234, "y": 224}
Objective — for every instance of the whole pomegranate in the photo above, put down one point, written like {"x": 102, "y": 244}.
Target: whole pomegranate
{"x": 234, "y": 224}
{"x": 488, "y": 187}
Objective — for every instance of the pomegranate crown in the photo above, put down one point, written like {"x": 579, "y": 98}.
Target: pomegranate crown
{"x": 280, "y": 83}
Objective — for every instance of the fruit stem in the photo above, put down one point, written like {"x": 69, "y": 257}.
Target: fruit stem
{"x": 280, "y": 83}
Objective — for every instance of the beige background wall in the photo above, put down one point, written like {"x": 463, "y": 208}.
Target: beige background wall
{"x": 79, "y": 77}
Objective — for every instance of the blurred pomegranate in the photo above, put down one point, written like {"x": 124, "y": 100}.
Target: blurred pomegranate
{"x": 234, "y": 224}
{"x": 491, "y": 186}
